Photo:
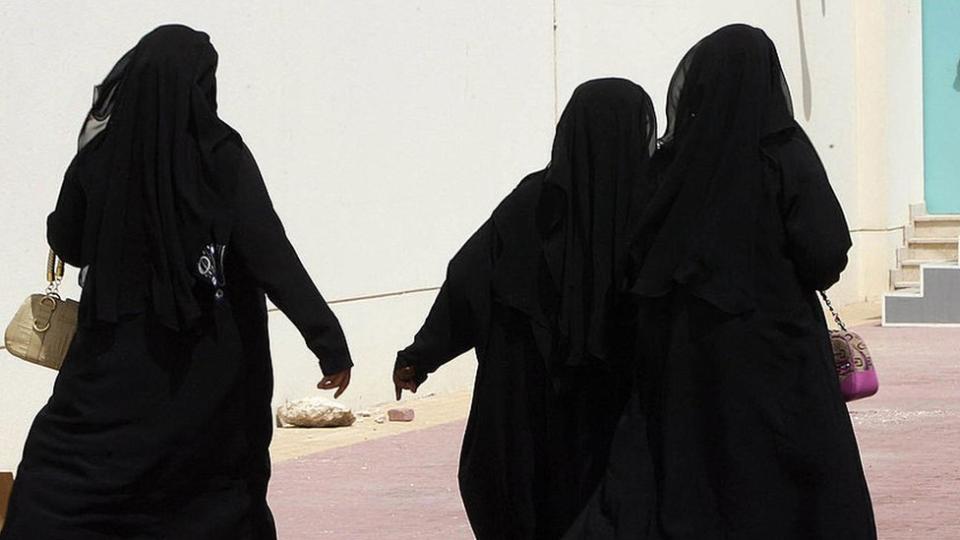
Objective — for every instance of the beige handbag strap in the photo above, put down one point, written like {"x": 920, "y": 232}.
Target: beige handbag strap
{"x": 54, "y": 274}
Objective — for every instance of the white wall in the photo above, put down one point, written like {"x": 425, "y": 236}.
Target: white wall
{"x": 889, "y": 157}
{"x": 387, "y": 131}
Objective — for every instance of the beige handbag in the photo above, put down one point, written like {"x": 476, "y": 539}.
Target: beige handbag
{"x": 6, "y": 485}
{"x": 44, "y": 326}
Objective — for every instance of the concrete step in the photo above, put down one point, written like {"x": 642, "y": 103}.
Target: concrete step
{"x": 937, "y": 217}
{"x": 936, "y": 226}
{"x": 935, "y": 240}
{"x": 937, "y": 303}
{"x": 934, "y": 248}
{"x": 926, "y": 253}
{"x": 904, "y": 274}
{"x": 902, "y": 285}
{"x": 910, "y": 270}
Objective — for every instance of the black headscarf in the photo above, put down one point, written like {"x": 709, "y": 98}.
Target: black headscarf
{"x": 590, "y": 190}
{"x": 150, "y": 138}
{"x": 726, "y": 98}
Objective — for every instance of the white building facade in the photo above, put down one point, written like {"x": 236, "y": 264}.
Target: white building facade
{"x": 388, "y": 130}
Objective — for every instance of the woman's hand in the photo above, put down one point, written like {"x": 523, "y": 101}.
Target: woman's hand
{"x": 340, "y": 381}
{"x": 405, "y": 378}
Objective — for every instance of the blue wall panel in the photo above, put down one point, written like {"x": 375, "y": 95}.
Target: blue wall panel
{"x": 941, "y": 105}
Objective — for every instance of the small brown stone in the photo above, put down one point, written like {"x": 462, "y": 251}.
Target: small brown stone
{"x": 400, "y": 415}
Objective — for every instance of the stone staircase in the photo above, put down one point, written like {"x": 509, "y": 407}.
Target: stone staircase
{"x": 926, "y": 284}
{"x": 929, "y": 239}
{"x": 935, "y": 303}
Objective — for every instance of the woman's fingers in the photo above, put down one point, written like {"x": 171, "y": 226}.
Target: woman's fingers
{"x": 342, "y": 384}
{"x": 400, "y": 386}
{"x": 340, "y": 381}
{"x": 405, "y": 379}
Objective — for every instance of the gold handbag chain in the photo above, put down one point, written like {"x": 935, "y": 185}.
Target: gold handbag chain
{"x": 51, "y": 296}
{"x": 836, "y": 316}
{"x": 54, "y": 275}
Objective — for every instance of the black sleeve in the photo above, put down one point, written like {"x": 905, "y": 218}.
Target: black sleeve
{"x": 66, "y": 223}
{"x": 818, "y": 237}
{"x": 456, "y": 320}
{"x": 262, "y": 245}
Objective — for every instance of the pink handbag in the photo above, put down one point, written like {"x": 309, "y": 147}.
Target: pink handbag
{"x": 851, "y": 358}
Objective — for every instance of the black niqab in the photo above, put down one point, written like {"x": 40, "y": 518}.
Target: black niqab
{"x": 535, "y": 292}
{"x": 151, "y": 430}
{"x": 146, "y": 147}
{"x": 735, "y": 401}
{"x": 727, "y": 96}
{"x": 592, "y": 187}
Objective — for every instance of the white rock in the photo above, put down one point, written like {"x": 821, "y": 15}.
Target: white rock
{"x": 315, "y": 412}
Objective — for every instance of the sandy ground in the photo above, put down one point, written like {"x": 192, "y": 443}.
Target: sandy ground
{"x": 431, "y": 410}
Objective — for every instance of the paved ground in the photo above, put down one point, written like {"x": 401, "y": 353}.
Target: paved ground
{"x": 909, "y": 433}
{"x": 403, "y": 486}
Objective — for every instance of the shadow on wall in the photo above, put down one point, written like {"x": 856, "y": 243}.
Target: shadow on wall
{"x": 806, "y": 88}
{"x": 956, "y": 81}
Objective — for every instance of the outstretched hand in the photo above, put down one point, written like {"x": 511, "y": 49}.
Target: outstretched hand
{"x": 405, "y": 378}
{"x": 340, "y": 381}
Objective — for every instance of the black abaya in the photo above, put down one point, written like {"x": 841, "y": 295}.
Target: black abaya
{"x": 737, "y": 428}
{"x": 534, "y": 292}
{"x": 531, "y": 451}
{"x": 154, "y": 432}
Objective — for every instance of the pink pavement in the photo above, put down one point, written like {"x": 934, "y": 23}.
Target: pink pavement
{"x": 909, "y": 433}
{"x": 404, "y": 487}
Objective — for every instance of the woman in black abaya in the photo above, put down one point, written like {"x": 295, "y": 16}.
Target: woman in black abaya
{"x": 535, "y": 291}
{"x": 160, "y": 419}
{"x": 737, "y": 428}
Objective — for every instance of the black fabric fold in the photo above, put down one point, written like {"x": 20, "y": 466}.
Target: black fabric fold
{"x": 726, "y": 97}
{"x": 590, "y": 190}
{"x": 535, "y": 291}
{"x": 149, "y": 140}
